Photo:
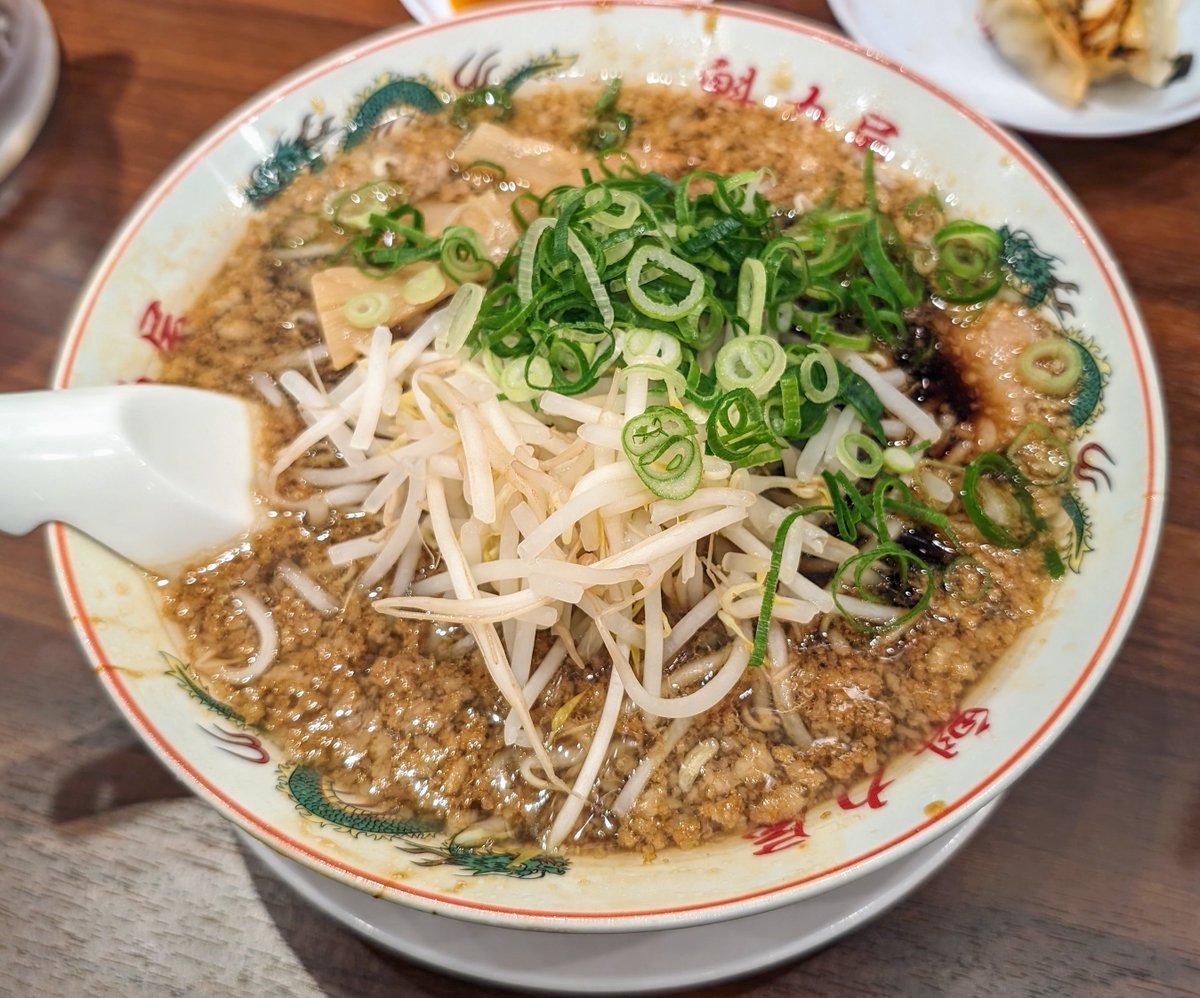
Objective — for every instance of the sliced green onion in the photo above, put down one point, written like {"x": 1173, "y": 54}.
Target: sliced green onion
{"x": 704, "y": 325}
{"x": 1051, "y": 367}
{"x": 1040, "y": 456}
{"x": 702, "y": 387}
{"x": 353, "y": 209}
{"x": 1053, "y": 562}
{"x": 737, "y": 430}
{"x": 966, "y": 579}
{"x": 826, "y": 335}
{"x": 609, "y": 128}
{"x": 899, "y": 461}
{"x": 662, "y": 446}
{"x": 792, "y": 423}
{"x": 671, "y": 377}
{"x": 898, "y": 280}
{"x": 929, "y": 203}
{"x": 999, "y": 469}
{"x": 525, "y": 263}
{"x": 425, "y": 286}
{"x": 737, "y": 195}
{"x": 882, "y": 502}
{"x": 750, "y": 362}
{"x": 368, "y": 309}
{"x": 630, "y": 206}
{"x": 831, "y": 241}
{"x": 462, "y": 257}
{"x": 752, "y": 294}
{"x": 483, "y": 169}
{"x": 857, "y": 566}
{"x": 786, "y": 268}
{"x": 824, "y": 296}
{"x": 858, "y": 394}
{"x": 879, "y": 311}
{"x": 770, "y": 584}
{"x": 822, "y": 360}
{"x": 860, "y": 455}
{"x": 663, "y": 306}
{"x": 394, "y": 239}
{"x": 463, "y": 310}
{"x": 519, "y": 376}
{"x": 571, "y": 363}
{"x": 641, "y": 346}
{"x": 968, "y": 266}
{"x": 869, "y": 195}
{"x": 849, "y": 506}
{"x": 711, "y": 234}
{"x": 592, "y": 276}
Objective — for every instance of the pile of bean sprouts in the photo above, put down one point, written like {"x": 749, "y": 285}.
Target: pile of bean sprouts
{"x": 540, "y": 525}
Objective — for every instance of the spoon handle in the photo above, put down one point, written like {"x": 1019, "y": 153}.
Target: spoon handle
{"x": 56, "y": 449}
{"x": 156, "y": 472}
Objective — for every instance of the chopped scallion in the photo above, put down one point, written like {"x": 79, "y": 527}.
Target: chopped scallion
{"x": 368, "y": 309}
{"x": 1050, "y": 366}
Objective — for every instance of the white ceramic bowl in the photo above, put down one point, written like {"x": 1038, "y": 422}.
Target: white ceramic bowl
{"x": 172, "y": 243}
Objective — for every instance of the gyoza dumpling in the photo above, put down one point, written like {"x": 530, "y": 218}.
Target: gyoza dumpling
{"x": 1041, "y": 38}
{"x": 1150, "y": 40}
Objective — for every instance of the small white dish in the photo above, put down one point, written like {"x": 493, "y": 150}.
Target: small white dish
{"x": 943, "y": 41}
{"x": 620, "y": 962}
{"x": 28, "y": 77}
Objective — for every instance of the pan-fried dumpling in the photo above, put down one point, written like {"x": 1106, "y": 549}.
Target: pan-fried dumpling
{"x": 1065, "y": 45}
{"x": 1148, "y": 41}
{"x": 1041, "y": 38}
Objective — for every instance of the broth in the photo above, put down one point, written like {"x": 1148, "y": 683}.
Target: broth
{"x": 404, "y": 715}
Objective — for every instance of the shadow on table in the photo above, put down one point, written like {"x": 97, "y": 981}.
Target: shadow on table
{"x": 64, "y": 200}
{"x": 120, "y": 777}
{"x": 342, "y": 964}
{"x": 338, "y": 961}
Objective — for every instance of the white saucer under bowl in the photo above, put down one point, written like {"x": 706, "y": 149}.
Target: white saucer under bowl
{"x": 619, "y": 962}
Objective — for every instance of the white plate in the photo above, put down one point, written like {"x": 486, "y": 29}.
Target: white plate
{"x": 943, "y": 41}
{"x": 28, "y": 77}
{"x": 620, "y": 962}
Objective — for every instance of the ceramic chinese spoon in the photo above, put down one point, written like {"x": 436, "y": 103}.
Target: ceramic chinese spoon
{"x": 159, "y": 473}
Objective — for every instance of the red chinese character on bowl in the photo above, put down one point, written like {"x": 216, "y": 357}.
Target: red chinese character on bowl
{"x": 718, "y": 79}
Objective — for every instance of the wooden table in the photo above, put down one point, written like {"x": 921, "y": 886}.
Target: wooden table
{"x": 113, "y": 881}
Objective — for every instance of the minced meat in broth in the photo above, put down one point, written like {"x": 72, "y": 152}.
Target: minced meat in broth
{"x": 403, "y": 716}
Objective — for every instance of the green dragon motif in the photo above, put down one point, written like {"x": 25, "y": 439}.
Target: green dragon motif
{"x": 552, "y": 63}
{"x": 304, "y": 150}
{"x": 482, "y": 861}
{"x": 290, "y": 158}
{"x": 310, "y": 793}
{"x": 1032, "y": 272}
{"x": 398, "y": 91}
{"x": 313, "y": 796}
{"x": 1081, "y": 531}
{"x": 1093, "y": 377}
{"x": 177, "y": 669}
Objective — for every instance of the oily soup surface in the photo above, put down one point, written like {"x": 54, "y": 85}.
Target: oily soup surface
{"x": 403, "y": 716}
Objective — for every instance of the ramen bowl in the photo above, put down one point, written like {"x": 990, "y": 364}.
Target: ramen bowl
{"x": 137, "y": 303}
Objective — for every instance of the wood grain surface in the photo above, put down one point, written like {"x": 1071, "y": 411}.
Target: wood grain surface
{"x": 115, "y": 881}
